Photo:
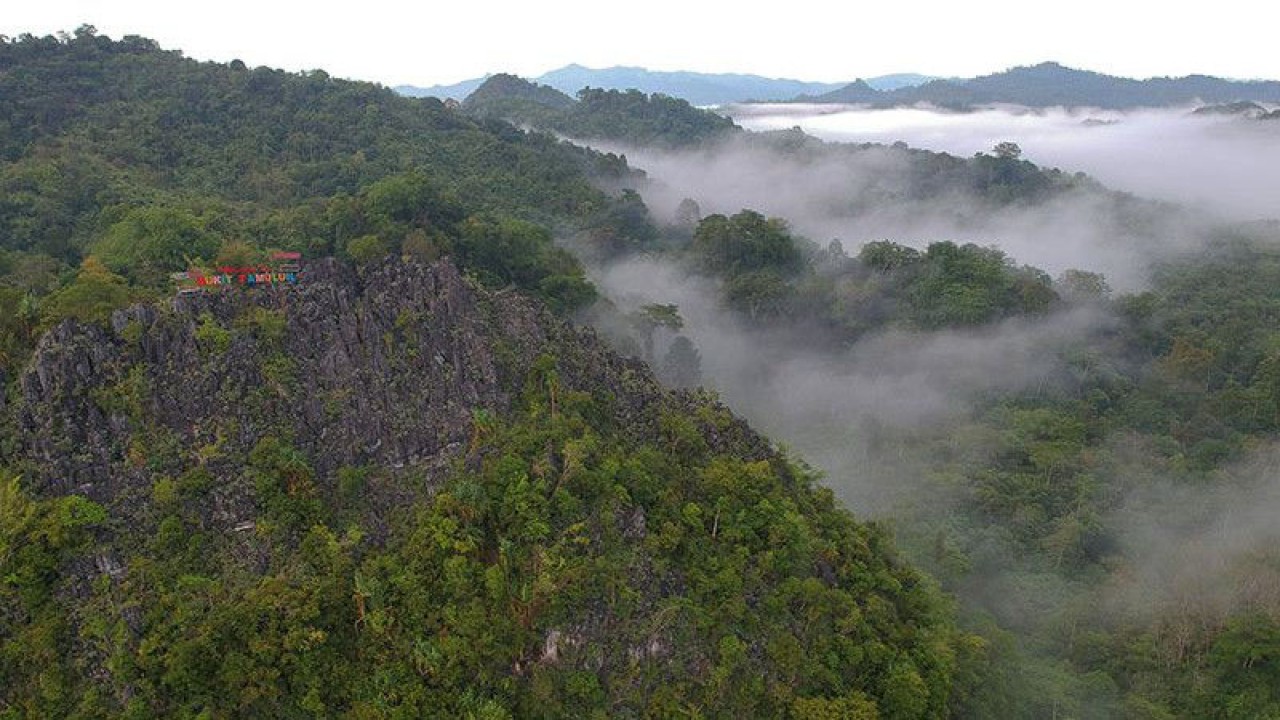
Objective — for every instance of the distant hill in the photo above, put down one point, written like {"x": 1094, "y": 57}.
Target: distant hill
{"x": 630, "y": 115}
{"x": 1050, "y": 84}
{"x": 696, "y": 88}
{"x": 1047, "y": 84}
{"x": 857, "y": 92}
{"x": 456, "y": 91}
{"x": 508, "y": 97}
{"x": 1242, "y": 109}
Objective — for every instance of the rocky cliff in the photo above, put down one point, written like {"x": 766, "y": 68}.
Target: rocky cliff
{"x": 391, "y": 491}
{"x": 387, "y": 368}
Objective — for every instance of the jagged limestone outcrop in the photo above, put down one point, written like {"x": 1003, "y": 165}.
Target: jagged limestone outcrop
{"x": 387, "y": 368}
{"x": 393, "y": 491}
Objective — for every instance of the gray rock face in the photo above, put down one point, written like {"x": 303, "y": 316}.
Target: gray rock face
{"x": 385, "y": 369}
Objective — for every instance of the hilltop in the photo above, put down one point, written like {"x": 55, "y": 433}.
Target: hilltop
{"x": 630, "y": 116}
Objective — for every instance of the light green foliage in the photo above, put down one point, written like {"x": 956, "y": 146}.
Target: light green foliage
{"x": 94, "y": 294}
{"x": 969, "y": 285}
{"x": 36, "y": 537}
{"x": 1083, "y": 285}
{"x": 285, "y": 485}
{"x": 708, "y": 585}
{"x": 213, "y": 338}
{"x": 649, "y": 319}
{"x": 746, "y": 242}
{"x": 367, "y": 249}
{"x": 885, "y": 256}
{"x": 146, "y": 243}
{"x": 854, "y": 707}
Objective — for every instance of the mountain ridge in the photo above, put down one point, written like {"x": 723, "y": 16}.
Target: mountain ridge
{"x": 1044, "y": 84}
{"x": 695, "y": 87}
{"x": 1051, "y": 84}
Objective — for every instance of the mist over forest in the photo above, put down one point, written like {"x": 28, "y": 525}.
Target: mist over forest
{"x": 1223, "y": 163}
{"x": 606, "y": 405}
{"x": 897, "y": 416}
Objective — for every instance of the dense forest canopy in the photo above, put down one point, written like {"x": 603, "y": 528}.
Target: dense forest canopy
{"x": 514, "y": 521}
{"x": 1036, "y": 504}
{"x": 598, "y": 114}
{"x": 147, "y": 161}
{"x": 386, "y": 490}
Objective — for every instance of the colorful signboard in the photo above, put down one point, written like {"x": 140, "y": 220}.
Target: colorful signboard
{"x": 285, "y": 271}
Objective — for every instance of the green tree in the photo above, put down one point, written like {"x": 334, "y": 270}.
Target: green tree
{"x": 746, "y": 242}
{"x": 94, "y": 294}
{"x": 367, "y": 249}
{"x": 1007, "y": 150}
{"x": 649, "y": 319}
{"x": 146, "y": 243}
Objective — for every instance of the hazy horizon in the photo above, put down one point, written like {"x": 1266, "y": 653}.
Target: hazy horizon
{"x": 398, "y": 45}
{"x": 1226, "y": 164}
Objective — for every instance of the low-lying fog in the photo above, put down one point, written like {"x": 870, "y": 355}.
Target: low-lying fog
{"x": 854, "y": 414}
{"x": 1228, "y": 164}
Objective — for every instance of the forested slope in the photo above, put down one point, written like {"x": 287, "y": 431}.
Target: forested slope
{"x": 397, "y": 486}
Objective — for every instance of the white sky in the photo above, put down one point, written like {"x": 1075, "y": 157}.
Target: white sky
{"x": 443, "y": 42}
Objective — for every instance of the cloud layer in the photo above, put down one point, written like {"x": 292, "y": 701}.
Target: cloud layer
{"x": 1226, "y": 164}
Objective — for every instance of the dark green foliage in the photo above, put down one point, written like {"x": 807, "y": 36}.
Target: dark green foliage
{"x": 682, "y": 365}
{"x": 507, "y": 97}
{"x": 1244, "y": 670}
{"x": 745, "y": 243}
{"x": 1049, "y": 84}
{"x": 513, "y": 252}
{"x": 969, "y": 285}
{"x": 150, "y": 161}
{"x": 1172, "y": 402}
{"x": 624, "y": 227}
{"x": 285, "y": 486}
{"x": 770, "y": 276}
{"x": 628, "y": 116}
{"x": 644, "y": 119}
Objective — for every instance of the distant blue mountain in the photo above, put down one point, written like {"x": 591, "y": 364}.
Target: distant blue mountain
{"x": 696, "y": 88}
{"x": 1050, "y": 84}
{"x": 457, "y": 91}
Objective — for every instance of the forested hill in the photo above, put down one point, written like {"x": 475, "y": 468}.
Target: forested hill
{"x": 626, "y": 116}
{"x": 390, "y": 492}
{"x": 94, "y": 119}
{"x": 401, "y": 486}
{"x": 150, "y": 162}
